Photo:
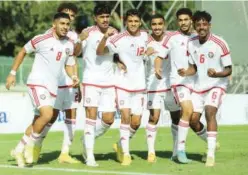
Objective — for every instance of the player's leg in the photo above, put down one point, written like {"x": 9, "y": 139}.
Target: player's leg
{"x": 124, "y": 104}
{"x": 107, "y": 107}
{"x": 182, "y": 96}
{"x": 91, "y": 101}
{"x": 213, "y": 101}
{"x": 70, "y": 104}
{"x": 154, "y": 106}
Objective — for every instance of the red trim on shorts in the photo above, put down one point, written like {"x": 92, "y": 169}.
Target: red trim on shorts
{"x": 127, "y": 90}
{"x": 99, "y": 86}
{"x": 204, "y": 91}
{"x": 158, "y": 91}
{"x": 220, "y": 99}
{"x": 179, "y": 85}
{"x": 36, "y": 85}
{"x": 116, "y": 99}
{"x": 176, "y": 97}
{"x": 36, "y": 99}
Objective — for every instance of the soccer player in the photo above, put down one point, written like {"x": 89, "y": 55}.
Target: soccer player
{"x": 209, "y": 58}
{"x": 98, "y": 83}
{"x": 53, "y": 51}
{"x": 158, "y": 91}
{"x": 130, "y": 83}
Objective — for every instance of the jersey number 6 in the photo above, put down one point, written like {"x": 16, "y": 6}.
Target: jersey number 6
{"x": 202, "y": 58}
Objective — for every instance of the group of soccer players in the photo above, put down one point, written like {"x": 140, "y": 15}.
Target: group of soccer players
{"x": 185, "y": 71}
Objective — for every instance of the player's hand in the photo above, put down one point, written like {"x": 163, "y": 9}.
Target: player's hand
{"x": 182, "y": 72}
{"x": 83, "y": 35}
{"x": 158, "y": 73}
{"x": 150, "y": 51}
{"x": 110, "y": 32}
{"x": 122, "y": 67}
{"x": 10, "y": 81}
{"x": 75, "y": 80}
{"x": 79, "y": 93}
{"x": 211, "y": 73}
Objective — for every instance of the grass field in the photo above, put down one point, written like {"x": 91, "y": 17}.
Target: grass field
{"x": 231, "y": 159}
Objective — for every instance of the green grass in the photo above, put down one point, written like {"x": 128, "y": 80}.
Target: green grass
{"x": 231, "y": 159}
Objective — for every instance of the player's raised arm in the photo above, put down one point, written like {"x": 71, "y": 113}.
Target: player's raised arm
{"x": 102, "y": 48}
{"x": 11, "y": 79}
{"x": 78, "y": 45}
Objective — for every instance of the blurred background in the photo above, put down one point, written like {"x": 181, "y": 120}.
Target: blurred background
{"x": 21, "y": 20}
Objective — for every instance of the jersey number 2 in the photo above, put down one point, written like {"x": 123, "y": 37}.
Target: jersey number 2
{"x": 59, "y": 54}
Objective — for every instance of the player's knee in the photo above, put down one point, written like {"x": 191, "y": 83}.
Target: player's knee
{"x": 46, "y": 115}
{"x": 108, "y": 119}
{"x": 153, "y": 120}
{"x": 135, "y": 124}
{"x": 187, "y": 112}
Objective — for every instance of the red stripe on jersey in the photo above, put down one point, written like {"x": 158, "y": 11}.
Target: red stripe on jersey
{"x": 115, "y": 39}
{"x": 40, "y": 38}
{"x": 220, "y": 43}
{"x": 202, "y": 92}
{"x": 225, "y": 54}
{"x": 150, "y": 39}
{"x": 32, "y": 43}
{"x": 168, "y": 38}
{"x": 194, "y": 38}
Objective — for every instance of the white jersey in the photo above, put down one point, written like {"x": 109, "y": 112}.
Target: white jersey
{"x": 51, "y": 55}
{"x": 214, "y": 53}
{"x": 153, "y": 83}
{"x": 131, "y": 51}
{"x": 65, "y": 80}
{"x": 98, "y": 70}
{"x": 177, "y": 43}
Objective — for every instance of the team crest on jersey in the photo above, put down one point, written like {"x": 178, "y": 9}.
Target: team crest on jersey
{"x": 210, "y": 54}
{"x": 132, "y": 45}
{"x": 88, "y": 100}
{"x": 181, "y": 95}
{"x": 149, "y": 103}
{"x": 43, "y": 96}
{"x": 67, "y": 51}
{"x": 122, "y": 102}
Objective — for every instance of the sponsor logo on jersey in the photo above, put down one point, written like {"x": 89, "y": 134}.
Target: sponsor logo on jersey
{"x": 149, "y": 103}
{"x": 88, "y": 100}
{"x": 210, "y": 54}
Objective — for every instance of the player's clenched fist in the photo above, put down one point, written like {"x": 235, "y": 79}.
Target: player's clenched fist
{"x": 75, "y": 80}
{"x": 110, "y": 32}
{"x": 10, "y": 81}
{"x": 211, "y": 73}
{"x": 182, "y": 72}
{"x": 83, "y": 35}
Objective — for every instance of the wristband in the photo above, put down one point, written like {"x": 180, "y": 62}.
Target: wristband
{"x": 73, "y": 77}
{"x": 13, "y": 72}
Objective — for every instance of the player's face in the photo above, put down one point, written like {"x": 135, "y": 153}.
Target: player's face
{"x": 133, "y": 24}
{"x": 102, "y": 21}
{"x": 61, "y": 26}
{"x": 184, "y": 23}
{"x": 158, "y": 26}
{"x": 202, "y": 27}
{"x": 70, "y": 13}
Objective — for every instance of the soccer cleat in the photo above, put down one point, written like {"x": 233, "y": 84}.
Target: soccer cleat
{"x": 182, "y": 158}
{"x": 126, "y": 160}
{"x": 210, "y": 162}
{"x": 119, "y": 155}
{"x": 66, "y": 158}
{"x": 36, "y": 152}
{"x": 91, "y": 163}
{"x": 19, "y": 157}
{"x": 173, "y": 158}
{"x": 151, "y": 158}
{"x": 29, "y": 154}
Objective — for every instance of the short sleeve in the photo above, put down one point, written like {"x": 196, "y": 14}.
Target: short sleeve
{"x": 226, "y": 60}
{"x": 33, "y": 44}
{"x": 225, "y": 54}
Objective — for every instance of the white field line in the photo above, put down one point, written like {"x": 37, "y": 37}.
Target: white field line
{"x": 77, "y": 170}
{"x": 110, "y": 137}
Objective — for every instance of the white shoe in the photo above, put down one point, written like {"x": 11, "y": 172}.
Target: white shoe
{"x": 91, "y": 163}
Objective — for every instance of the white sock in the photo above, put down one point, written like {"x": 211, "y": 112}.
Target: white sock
{"x": 44, "y": 134}
{"x": 174, "y": 132}
{"x": 183, "y": 128}
{"x": 21, "y": 145}
{"x": 132, "y": 132}
{"x": 124, "y": 138}
{"x": 101, "y": 128}
{"x": 203, "y": 134}
{"x": 34, "y": 138}
{"x": 151, "y": 132}
{"x": 89, "y": 137}
{"x": 69, "y": 130}
{"x": 211, "y": 143}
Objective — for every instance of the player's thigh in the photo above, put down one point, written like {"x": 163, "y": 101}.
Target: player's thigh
{"x": 107, "y": 101}
{"x": 71, "y": 100}
{"x": 91, "y": 96}
{"x": 181, "y": 94}
{"x": 198, "y": 102}
{"x": 123, "y": 99}
{"x": 214, "y": 97}
{"x": 170, "y": 102}
{"x": 154, "y": 100}
{"x": 137, "y": 100}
